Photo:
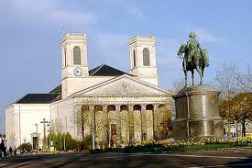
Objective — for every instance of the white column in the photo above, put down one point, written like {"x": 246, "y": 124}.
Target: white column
{"x": 91, "y": 108}
{"x": 131, "y": 124}
{"x": 137, "y": 125}
{"x": 154, "y": 115}
{"x": 77, "y": 109}
{"x": 120, "y": 125}
{"x": 105, "y": 110}
{"x": 142, "y": 122}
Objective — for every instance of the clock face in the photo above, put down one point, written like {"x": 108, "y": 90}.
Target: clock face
{"x": 77, "y": 71}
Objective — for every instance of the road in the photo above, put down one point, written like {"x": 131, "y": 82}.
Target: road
{"x": 230, "y": 158}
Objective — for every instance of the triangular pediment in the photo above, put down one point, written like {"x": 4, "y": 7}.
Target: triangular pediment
{"x": 122, "y": 86}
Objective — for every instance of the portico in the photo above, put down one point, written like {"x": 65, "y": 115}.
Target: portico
{"x": 126, "y": 121}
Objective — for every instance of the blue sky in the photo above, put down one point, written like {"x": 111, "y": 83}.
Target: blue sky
{"x": 30, "y": 32}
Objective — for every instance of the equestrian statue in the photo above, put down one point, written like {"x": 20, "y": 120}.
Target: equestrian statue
{"x": 193, "y": 58}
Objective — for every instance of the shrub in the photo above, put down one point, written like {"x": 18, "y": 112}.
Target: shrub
{"x": 25, "y": 147}
{"x": 86, "y": 143}
{"x": 59, "y": 139}
{"x": 71, "y": 144}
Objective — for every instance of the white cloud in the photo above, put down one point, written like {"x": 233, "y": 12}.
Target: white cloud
{"x": 112, "y": 48}
{"x": 169, "y": 63}
{"x": 205, "y": 36}
{"x": 167, "y": 49}
{"x": 31, "y": 6}
{"x": 129, "y": 7}
{"x": 134, "y": 10}
{"x": 52, "y": 11}
{"x": 112, "y": 40}
{"x": 73, "y": 17}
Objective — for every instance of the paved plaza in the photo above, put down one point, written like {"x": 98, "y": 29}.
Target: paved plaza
{"x": 227, "y": 158}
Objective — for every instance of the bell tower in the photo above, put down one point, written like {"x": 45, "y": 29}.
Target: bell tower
{"x": 142, "y": 53}
{"x": 74, "y": 55}
{"x": 74, "y": 61}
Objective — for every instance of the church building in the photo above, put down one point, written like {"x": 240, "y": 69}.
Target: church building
{"x": 114, "y": 107}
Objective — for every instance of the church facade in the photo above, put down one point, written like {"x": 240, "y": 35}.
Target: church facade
{"x": 115, "y": 108}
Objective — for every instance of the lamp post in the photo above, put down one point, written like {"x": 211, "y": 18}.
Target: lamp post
{"x": 64, "y": 138}
{"x": 35, "y": 144}
{"x": 44, "y": 122}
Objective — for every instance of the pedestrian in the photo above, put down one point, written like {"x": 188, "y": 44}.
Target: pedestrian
{"x": 4, "y": 142}
{"x": 1, "y": 146}
{"x": 10, "y": 151}
{"x": 15, "y": 152}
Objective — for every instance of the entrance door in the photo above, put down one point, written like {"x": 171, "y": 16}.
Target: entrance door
{"x": 113, "y": 135}
{"x": 35, "y": 143}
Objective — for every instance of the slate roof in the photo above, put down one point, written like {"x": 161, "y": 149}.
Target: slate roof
{"x": 105, "y": 70}
{"x": 56, "y": 90}
{"x": 55, "y": 94}
{"x": 37, "y": 98}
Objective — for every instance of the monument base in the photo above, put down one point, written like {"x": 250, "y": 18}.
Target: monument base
{"x": 197, "y": 113}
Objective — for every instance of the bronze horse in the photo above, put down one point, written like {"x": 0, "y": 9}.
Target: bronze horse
{"x": 193, "y": 58}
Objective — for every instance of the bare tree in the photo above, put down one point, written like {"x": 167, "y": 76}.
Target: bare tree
{"x": 178, "y": 85}
{"x": 226, "y": 80}
{"x": 244, "y": 80}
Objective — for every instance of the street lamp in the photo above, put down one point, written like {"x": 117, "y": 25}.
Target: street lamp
{"x": 45, "y": 123}
{"x": 65, "y": 134}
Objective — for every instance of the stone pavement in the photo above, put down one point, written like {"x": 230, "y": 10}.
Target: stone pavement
{"x": 236, "y": 158}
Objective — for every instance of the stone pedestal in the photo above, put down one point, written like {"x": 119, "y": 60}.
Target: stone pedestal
{"x": 197, "y": 113}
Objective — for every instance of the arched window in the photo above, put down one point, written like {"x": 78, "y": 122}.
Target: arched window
{"x": 111, "y": 108}
{"x": 124, "y": 108}
{"x": 137, "y": 107}
{"x": 98, "y": 108}
{"x": 146, "y": 57}
{"x": 149, "y": 107}
{"x": 77, "y": 55}
{"x": 134, "y": 58}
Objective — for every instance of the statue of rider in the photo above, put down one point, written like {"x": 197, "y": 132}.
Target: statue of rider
{"x": 193, "y": 47}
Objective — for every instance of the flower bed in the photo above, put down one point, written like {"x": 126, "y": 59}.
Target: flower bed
{"x": 181, "y": 146}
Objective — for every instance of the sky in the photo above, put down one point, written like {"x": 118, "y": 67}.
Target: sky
{"x": 31, "y": 31}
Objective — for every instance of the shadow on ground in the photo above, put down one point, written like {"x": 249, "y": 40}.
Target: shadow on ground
{"x": 241, "y": 163}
